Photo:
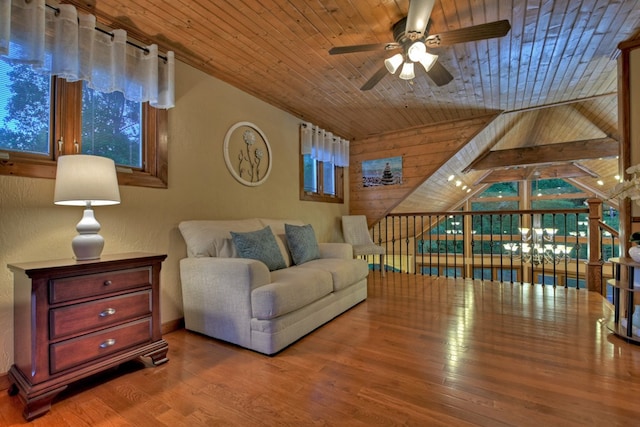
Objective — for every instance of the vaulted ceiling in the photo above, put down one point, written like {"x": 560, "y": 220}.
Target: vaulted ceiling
{"x": 552, "y": 78}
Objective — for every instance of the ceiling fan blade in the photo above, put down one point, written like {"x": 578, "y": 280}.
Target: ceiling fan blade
{"x": 418, "y": 16}
{"x": 439, "y": 74}
{"x": 338, "y": 50}
{"x": 375, "y": 78}
{"x": 469, "y": 34}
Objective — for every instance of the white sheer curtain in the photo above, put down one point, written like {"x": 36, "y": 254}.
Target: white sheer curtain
{"x": 341, "y": 153}
{"x": 323, "y": 146}
{"x": 65, "y": 43}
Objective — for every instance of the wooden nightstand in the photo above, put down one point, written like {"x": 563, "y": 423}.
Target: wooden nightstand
{"x": 74, "y": 318}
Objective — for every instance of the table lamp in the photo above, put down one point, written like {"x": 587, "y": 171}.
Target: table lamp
{"x": 84, "y": 180}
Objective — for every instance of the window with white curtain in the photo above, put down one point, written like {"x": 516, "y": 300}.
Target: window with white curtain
{"x": 323, "y": 158}
{"x": 68, "y": 87}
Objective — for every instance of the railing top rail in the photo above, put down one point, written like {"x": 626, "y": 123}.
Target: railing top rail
{"x": 608, "y": 228}
{"x": 502, "y": 212}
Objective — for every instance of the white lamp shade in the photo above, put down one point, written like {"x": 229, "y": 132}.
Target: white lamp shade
{"x": 428, "y": 60}
{"x": 417, "y": 51}
{"x": 82, "y": 178}
{"x": 394, "y": 63}
{"x": 407, "y": 72}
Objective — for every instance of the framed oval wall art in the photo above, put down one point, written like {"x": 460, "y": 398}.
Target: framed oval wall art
{"x": 247, "y": 154}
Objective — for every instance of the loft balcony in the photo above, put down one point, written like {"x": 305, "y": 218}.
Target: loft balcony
{"x": 562, "y": 248}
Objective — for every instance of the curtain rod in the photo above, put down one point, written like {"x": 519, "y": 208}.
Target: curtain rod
{"x": 142, "y": 48}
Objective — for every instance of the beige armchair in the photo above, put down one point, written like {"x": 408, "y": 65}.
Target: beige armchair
{"x": 356, "y": 233}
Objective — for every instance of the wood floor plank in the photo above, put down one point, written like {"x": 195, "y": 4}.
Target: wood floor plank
{"x": 418, "y": 351}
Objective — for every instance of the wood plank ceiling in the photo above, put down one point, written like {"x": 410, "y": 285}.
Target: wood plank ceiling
{"x": 553, "y": 76}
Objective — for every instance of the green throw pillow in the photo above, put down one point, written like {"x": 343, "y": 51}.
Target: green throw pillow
{"x": 302, "y": 243}
{"x": 260, "y": 245}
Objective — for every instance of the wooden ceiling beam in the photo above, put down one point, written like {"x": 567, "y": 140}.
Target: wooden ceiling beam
{"x": 550, "y": 153}
{"x": 504, "y": 175}
{"x": 563, "y": 171}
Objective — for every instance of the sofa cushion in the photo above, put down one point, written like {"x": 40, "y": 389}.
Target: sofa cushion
{"x": 212, "y": 238}
{"x": 302, "y": 243}
{"x": 289, "y": 290}
{"x": 208, "y": 238}
{"x": 277, "y": 226}
{"x": 344, "y": 272}
{"x": 259, "y": 245}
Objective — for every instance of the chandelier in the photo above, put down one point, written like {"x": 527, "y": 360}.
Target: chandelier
{"x": 538, "y": 246}
{"x": 456, "y": 228}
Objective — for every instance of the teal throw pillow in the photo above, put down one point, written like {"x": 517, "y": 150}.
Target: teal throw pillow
{"x": 260, "y": 245}
{"x": 302, "y": 243}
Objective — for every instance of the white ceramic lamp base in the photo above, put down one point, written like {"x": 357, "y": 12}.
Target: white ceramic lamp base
{"x": 88, "y": 243}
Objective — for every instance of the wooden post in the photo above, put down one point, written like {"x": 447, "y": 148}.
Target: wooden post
{"x": 594, "y": 263}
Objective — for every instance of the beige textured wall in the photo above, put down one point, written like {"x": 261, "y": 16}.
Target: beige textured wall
{"x": 200, "y": 187}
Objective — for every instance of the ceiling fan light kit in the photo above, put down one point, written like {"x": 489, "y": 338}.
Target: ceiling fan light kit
{"x": 411, "y": 34}
{"x": 417, "y": 51}
{"x": 407, "y": 72}
{"x": 420, "y": 55}
{"x": 394, "y": 63}
{"x": 428, "y": 61}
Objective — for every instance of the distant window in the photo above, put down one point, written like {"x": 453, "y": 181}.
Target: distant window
{"x": 310, "y": 171}
{"x": 552, "y": 186}
{"x": 498, "y": 205}
{"x": 507, "y": 275}
{"x": 572, "y": 282}
{"x": 452, "y": 272}
{"x": 501, "y": 189}
{"x": 430, "y": 271}
{"x": 321, "y": 181}
{"x": 482, "y": 273}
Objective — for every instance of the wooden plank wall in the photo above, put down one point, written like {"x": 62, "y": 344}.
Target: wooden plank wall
{"x": 423, "y": 150}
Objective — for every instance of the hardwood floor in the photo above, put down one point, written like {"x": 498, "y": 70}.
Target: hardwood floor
{"x": 417, "y": 352}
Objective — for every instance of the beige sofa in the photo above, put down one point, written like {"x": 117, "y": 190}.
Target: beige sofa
{"x": 240, "y": 301}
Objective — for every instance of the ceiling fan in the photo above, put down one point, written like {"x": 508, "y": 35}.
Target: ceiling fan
{"x": 411, "y": 34}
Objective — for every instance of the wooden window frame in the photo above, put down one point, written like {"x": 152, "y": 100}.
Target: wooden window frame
{"x": 66, "y": 123}
{"x": 320, "y": 196}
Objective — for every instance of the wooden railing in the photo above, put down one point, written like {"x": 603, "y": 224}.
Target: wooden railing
{"x": 567, "y": 248}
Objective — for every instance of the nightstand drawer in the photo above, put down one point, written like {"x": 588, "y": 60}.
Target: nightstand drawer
{"x": 74, "y": 352}
{"x": 78, "y": 287}
{"x": 74, "y": 319}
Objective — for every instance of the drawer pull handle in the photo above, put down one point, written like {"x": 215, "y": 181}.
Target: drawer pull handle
{"x": 108, "y": 343}
{"x": 107, "y": 282}
{"x": 108, "y": 312}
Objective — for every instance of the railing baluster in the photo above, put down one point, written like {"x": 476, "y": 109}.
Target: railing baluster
{"x": 431, "y": 247}
{"x": 421, "y": 244}
{"x": 518, "y": 272}
{"x": 473, "y": 245}
{"x": 437, "y": 225}
{"x": 578, "y": 247}
{"x": 393, "y": 245}
{"x": 446, "y": 246}
{"x": 406, "y": 244}
{"x": 482, "y": 248}
{"x": 566, "y": 254}
{"x": 415, "y": 245}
